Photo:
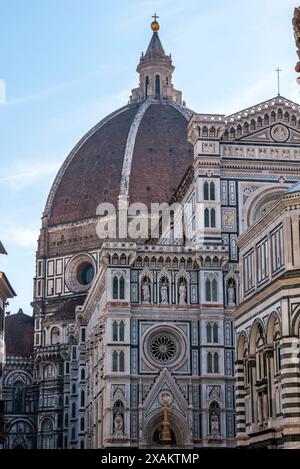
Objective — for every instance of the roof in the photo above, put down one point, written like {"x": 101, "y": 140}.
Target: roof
{"x": 19, "y": 332}
{"x": 155, "y": 49}
{"x": 67, "y": 310}
{"x": 93, "y": 171}
{"x": 2, "y": 249}
{"x": 294, "y": 188}
{"x": 5, "y": 287}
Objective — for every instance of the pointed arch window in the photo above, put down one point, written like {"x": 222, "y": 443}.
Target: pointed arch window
{"x": 121, "y": 361}
{"x": 115, "y": 361}
{"x": 122, "y": 288}
{"x": 157, "y": 86}
{"x": 82, "y": 424}
{"x": 212, "y": 191}
{"x": 216, "y": 333}
{"x": 118, "y": 331}
{"x": 211, "y": 290}
{"x": 208, "y": 332}
{"x": 82, "y": 374}
{"x": 146, "y": 87}
{"x": 214, "y": 290}
{"x": 115, "y": 328}
{"x": 121, "y": 331}
{"x": 118, "y": 361}
{"x": 206, "y": 192}
{"x": 118, "y": 288}
{"x": 216, "y": 362}
{"x": 209, "y": 363}
{"x": 213, "y": 218}
{"x": 208, "y": 290}
{"x": 206, "y": 218}
{"x": 73, "y": 410}
{"x": 115, "y": 288}
{"x": 82, "y": 399}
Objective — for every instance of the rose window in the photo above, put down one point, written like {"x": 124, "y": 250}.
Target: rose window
{"x": 163, "y": 348}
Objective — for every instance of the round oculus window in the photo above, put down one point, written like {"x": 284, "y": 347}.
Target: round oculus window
{"x": 85, "y": 273}
{"x": 80, "y": 272}
{"x": 163, "y": 348}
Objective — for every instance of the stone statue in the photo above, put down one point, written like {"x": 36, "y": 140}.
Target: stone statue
{"x": 231, "y": 294}
{"x": 214, "y": 425}
{"x": 118, "y": 424}
{"x": 164, "y": 292}
{"x": 182, "y": 293}
{"x": 146, "y": 292}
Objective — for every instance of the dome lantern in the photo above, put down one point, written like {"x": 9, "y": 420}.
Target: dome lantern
{"x": 155, "y": 70}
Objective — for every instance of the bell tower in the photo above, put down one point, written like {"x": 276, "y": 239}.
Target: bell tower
{"x": 155, "y": 70}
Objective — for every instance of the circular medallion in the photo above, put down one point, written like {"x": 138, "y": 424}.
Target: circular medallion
{"x": 280, "y": 133}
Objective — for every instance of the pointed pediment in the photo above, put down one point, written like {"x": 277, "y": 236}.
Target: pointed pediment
{"x": 165, "y": 384}
{"x": 274, "y": 121}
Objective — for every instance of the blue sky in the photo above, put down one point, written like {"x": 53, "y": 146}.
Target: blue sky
{"x": 68, "y": 63}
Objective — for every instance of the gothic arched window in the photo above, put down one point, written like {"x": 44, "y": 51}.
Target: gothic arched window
{"x": 66, "y": 420}
{"x": 82, "y": 374}
{"x": 121, "y": 361}
{"x": 73, "y": 434}
{"x": 259, "y": 122}
{"x": 122, "y": 288}
{"x": 115, "y": 328}
{"x": 157, "y": 86}
{"x": 266, "y": 119}
{"x": 216, "y": 362}
{"x": 208, "y": 332}
{"x": 73, "y": 410}
{"x": 146, "y": 87}
{"x": 208, "y": 290}
{"x": 213, "y": 218}
{"x": 215, "y": 333}
{"x": 115, "y": 361}
{"x": 55, "y": 336}
{"x": 82, "y": 424}
{"x": 121, "y": 331}
{"x": 212, "y": 191}
{"x": 82, "y": 399}
{"x": 294, "y": 120}
{"x": 273, "y": 116}
{"x": 115, "y": 288}
{"x": 214, "y": 290}
{"x": 19, "y": 397}
{"x": 209, "y": 363}
{"x": 206, "y": 218}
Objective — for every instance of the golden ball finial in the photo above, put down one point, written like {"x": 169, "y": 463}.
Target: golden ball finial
{"x": 155, "y": 24}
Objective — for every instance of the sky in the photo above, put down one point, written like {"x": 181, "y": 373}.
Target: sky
{"x": 66, "y": 64}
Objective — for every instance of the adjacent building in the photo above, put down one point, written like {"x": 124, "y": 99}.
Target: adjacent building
{"x": 6, "y": 292}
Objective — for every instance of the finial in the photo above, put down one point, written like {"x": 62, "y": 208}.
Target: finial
{"x": 155, "y": 24}
{"x": 278, "y": 79}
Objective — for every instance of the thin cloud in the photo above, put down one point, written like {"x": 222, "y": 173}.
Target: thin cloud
{"x": 19, "y": 177}
{"x": 25, "y": 237}
{"x": 46, "y": 93}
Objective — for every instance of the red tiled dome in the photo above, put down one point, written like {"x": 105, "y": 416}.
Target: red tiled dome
{"x": 92, "y": 172}
{"x": 19, "y": 331}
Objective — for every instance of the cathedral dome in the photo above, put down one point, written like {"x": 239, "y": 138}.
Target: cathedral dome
{"x": 19, "y": 331}
{"x": 139, "y": 152}
{"x": 100, "y": 164}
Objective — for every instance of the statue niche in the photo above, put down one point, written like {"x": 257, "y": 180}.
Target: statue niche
{"x": 118, "y": 418}
{"x": 164, "y": 291}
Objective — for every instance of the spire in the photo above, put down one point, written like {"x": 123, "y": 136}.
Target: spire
{"x": 155, "y": 70}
